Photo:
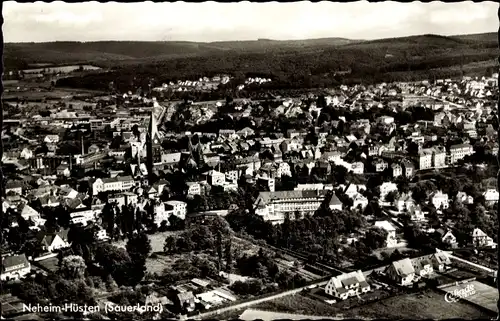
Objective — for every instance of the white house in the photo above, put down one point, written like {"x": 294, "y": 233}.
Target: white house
{"x": 360, "y": 200}
{"x": 391, "y": 232}
{"x": 440, "y": 200}
{"x": 386, "y": 188}
{"x": 450, "y": 239}
{"x": 481, "y": 239}
{"x": 491, "y": 196}
{"x": 422, "y": 266}
{"x": 179, "y": 208}
{"x": 347, "y": 285}
{"x": 54, "y": 241}
{"x": 440, "y": 261}
{"x": 401, "y": 272}
{"x": 15, "y": 267}
{"x": 193, "y": 188}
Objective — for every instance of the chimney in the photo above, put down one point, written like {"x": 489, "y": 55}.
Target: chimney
{"x": 83, "y": 147}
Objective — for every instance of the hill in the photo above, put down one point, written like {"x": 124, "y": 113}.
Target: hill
{"x": 20, "y": 55}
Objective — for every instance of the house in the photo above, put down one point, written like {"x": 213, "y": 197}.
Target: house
{"x": 246, "y": 132}
{"x": 216, "y": 178}
{"x": 440, "y": 261}
{"x": 15, "y": 267}
{"x": 401, "y": 272}
{"x": 179, "y": 208}
{"x": 409, "y": 168}
{"x": 491, "y": 196}
{"x": 440, "y": 200}
{"x": 63, "y": 170}
{"x": 391, "y": 240}
{"x": 450, "y": 239}
{"x": 101, "y": 235}
{"x": 193, "y": 188}
{"x": 404, "y": 202}
{"x": 465, "y": 199}
{"x": 416, "y": 213}
{"x": 360, "y": 201}
{"x": 335, "y": 203}
{"x": 54, "y": 241}
{"x": 397, "y": 170}
{"x": 458, "y": 152}
{"x": 14, "y": 187}
{"x": 347, "y": 285}
{"x": 185, "y": 301}
{"x": 386, "y": 188}
{"x": 422, "y": 266}
{"x": 481, "y": 239}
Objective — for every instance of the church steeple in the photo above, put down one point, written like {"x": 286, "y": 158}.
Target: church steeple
{"x": 152, "y": 141}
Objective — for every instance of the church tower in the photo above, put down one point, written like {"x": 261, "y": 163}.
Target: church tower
{"x": 153, "y": 145}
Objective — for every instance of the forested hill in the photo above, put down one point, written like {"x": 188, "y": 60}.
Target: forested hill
{"x": 20, "y": 55}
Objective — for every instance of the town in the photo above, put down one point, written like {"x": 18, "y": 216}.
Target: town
{"x": 325, "y": 204}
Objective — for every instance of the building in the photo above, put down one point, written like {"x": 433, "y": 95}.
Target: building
{"x": 481, "y": 239}
{"x": 409, "y": 168}
{"x": 179, "y": 208}
{"x": 347, "y": 285}
{"x": 491, "y": 196}
{"x": 335, "y": 203}
{"x": 54, "y": 241}
{"x": 440, "y": 200}
{"x": 273, "y": 206}
{"x": 425, "y": 159}
{"x": 153, "y": 147}
{"x": 439, "y": 157}
{"x": 15, "y": 267}
{"x": 114, "y": 184}
{"x": 397, "y": 170}
{"x": 422, "y": 266}
{"x": 216, "y": 178}
{"x": 450, "y": 239}
{"x": 193, "y": 188}
{"x": 440, "y": 261}
{"x": 391, "y": 240}
{"x": 458, "y": 152}
{"x": 401, "y": 272}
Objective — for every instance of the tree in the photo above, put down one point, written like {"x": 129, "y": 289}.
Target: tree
{"x": 139, "y": 247}
{"x": 73, "y": 267}
{"x": 229, "y": 256}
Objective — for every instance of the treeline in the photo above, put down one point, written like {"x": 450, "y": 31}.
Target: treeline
{"x": 313, "y": 68}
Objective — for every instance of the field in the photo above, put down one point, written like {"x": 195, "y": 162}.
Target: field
{"x": 486, "y": 296}
{"x": 299, "y": 304}
{"x": 426, "y": 305}
{"x": 157, "y": 240}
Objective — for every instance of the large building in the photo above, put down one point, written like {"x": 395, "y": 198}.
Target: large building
{"x": 458, "y": 152}
{"x": 273, "y": 206}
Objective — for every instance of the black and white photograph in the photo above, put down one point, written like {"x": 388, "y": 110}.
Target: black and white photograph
{"x": 249, "y": 161}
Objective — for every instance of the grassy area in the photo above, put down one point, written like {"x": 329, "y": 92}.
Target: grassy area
{"x": 299, "y": 304}
{"x": 157, "y": 240}
{"x": 426, "y": 305}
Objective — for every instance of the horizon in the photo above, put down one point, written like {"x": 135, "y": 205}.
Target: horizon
{"x": 249, "y": 40}
{"x": 208, "y": 22}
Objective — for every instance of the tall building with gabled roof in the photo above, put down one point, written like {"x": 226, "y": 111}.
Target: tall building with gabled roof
{"x": 153, "y": 144}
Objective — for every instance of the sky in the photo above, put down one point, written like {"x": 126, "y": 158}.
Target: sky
{"x": 212, "y": 21}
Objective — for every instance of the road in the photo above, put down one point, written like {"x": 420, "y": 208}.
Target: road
{"x": 243, "y": 305}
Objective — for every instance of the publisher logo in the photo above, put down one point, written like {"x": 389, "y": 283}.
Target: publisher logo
{"x": 459, "y": 294}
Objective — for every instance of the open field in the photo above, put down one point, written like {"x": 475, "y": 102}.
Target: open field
{"x": 485, "y": 296}
{"x": 426, "y": 305}
{"x": 157, "y": 240}
{"x": 299, "y": 304}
